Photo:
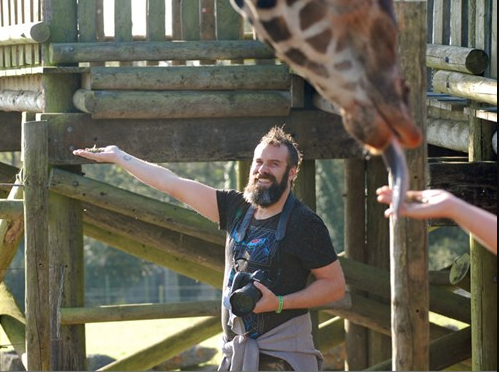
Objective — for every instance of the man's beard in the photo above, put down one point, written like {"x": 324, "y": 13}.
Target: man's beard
{"x": 264, "y": 197}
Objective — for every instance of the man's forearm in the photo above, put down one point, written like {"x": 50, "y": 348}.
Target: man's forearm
{"x": 319, "y": 293}
{"x": 151, "y": 174}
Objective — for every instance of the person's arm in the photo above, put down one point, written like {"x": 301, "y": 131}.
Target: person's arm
{"x": 328, "y": 287}
{"x": 199, "y": 197}
{"x": 442, "y": 204}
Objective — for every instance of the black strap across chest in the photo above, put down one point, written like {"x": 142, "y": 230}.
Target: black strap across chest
{"x": 281, "y": 226}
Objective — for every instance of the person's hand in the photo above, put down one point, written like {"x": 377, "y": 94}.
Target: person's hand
{"x": 269, "y": 301}
{"x": 107, "y": 154}
{"x": 424, "y": 204}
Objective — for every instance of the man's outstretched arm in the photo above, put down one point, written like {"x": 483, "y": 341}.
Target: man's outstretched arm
{"x": 200, "y": 197}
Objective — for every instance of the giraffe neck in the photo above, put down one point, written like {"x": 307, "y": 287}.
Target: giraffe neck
{"x": 301, "y": 32}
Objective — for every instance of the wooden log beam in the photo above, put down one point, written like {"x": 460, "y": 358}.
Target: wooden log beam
{"x": 186, "y": 247}
{"x": 11, "y": 209}
{"x": 475, "y": 88}
{"x": 449, "y": 134}
{"x": 12, "y": 320}
{"x": 459, "y": 59}
{"x": 155, "y": 254}
{"x": 63, "y": 53}
{"x": 21, "y": 100}
{"x": 83, "y": 315}
{"x": 137, "y": 206}
{"x": 169, "y": 347}
{"x": 377, "y": 282}
{"x": 10, "y": 127}
{"x": 320, "y": 135}
{"x": 182, "y": 104}
{"x": 35, "y": 174}
{"x": 237, "y": 77}
{"x": 445, "y": 352}
{"x": 27, "y": 33}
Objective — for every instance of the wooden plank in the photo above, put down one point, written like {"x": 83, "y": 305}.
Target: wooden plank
{"x": 493, "y": 43}
{"x": 486, "y": 113}
{"x": 87, "y": 24}
{"x": 190, "y": 21}
{"x": 83, "y": 315}
{"x": 38, "y": 328}
{"x": 155, "y": 20}
{"x": 207, "y": 20}
{"x": 320, "y": 135}
{"x": 239, "y": 77}
{"x": 438, "y": 22}
{"x": 136, "y": 206}
{"x": 123, "y": 20}
{"x": 10, "y": 127}
{"x": 180, "y": 104}
{"x": 6, "y": 21}
{"x": 62, "y": 53}
{"x": 153, "y": 252}
{"x": 457, "y": 23}
{"x": 229, "y": 22}
{"x": 187, "y": 248}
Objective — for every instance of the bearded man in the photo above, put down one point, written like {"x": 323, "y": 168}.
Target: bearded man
{"x": 274, "y": 243}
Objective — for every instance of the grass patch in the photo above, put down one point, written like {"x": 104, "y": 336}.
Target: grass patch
{"x": 121, "y": 339}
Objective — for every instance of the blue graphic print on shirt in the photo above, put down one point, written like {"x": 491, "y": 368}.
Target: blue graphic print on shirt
{"x": 255, "y": 252}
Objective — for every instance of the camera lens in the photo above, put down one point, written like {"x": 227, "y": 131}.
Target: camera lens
{"x": 244, "y": 300}
{"x": 242, "y": 304}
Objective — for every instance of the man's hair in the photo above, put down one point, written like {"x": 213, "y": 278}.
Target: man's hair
{"x": 278, "y": 137}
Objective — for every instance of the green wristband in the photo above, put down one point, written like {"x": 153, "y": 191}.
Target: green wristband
{"x": 281, "y": 304}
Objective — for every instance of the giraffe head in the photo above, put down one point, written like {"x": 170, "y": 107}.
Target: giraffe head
{"x": 347, "y": 50}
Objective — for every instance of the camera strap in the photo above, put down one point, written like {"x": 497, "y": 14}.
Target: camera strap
{"x": 281, "y": 226}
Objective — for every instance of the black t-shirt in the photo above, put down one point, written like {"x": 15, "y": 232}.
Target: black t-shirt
{"x": 306, "y": 246}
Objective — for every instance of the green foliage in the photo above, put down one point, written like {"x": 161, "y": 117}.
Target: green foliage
{"x": 330, "y": 180}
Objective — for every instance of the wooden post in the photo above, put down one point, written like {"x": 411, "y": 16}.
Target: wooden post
{"x": 304, "y": 190}
{"x": 38, "y": 330}
{"x": 483, "y": 263}
{"x": 377, "y": 255}
{"x": 355, "y": 245}
{"x": 67, "y": 276}
{"x": 409, "y": 238}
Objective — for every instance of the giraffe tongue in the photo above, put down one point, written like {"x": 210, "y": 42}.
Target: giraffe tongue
{"x": 395, "y": 162}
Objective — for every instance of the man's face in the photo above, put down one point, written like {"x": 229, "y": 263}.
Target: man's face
{"x": 270, "y": 175}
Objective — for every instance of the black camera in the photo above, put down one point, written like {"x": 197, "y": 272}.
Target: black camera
{"x": 244, "y": 295}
